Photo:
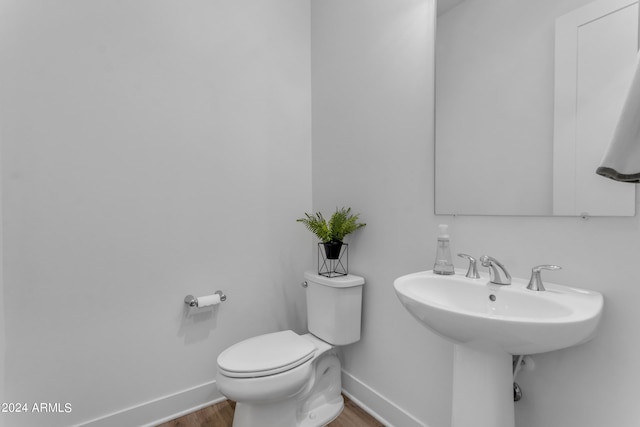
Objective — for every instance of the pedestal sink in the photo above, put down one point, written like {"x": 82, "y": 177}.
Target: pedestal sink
{"x": 488, "y": 324}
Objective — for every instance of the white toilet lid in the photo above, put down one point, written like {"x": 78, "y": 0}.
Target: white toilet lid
{"x": 265, "y": 355}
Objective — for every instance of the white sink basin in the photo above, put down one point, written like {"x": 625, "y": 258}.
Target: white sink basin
{"x": 511, "y": 317}
{"x": 488, "y": 324}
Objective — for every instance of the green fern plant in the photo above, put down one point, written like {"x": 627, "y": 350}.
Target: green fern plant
{"x": 341, "y": 223}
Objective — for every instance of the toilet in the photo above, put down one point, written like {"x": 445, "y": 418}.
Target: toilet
{"x": 284, "y": 379}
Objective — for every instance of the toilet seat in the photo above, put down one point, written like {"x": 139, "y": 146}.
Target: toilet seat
{"x": 265, "y": 355}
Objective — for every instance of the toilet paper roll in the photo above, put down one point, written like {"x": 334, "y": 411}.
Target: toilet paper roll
{"x": 208, "y": 300}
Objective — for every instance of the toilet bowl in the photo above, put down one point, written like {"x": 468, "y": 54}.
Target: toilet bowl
{"x": 303, "y": 390}
{"x": 283, "y": 379}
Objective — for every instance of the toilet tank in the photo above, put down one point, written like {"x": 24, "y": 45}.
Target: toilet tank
{"x": 334, "y": 307}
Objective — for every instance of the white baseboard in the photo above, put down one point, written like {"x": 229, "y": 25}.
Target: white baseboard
{"x": 166, "y": 408}
{"x": 378, "y": 406}
{"x": 161, "y": 410}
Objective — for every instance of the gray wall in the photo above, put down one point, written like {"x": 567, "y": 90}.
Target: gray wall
{"x": 151, "y": 149}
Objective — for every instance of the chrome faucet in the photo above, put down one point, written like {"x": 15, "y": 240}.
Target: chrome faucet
{"x": 472, "y": 270}
{"x": 498, "y": 274}
{"x": 535, "y": 283}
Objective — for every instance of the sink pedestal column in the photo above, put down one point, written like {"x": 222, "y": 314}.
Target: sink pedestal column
{"x": 482, "y": 387}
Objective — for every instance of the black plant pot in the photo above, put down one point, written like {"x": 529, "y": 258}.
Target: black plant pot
{"x": 332, "y": 249}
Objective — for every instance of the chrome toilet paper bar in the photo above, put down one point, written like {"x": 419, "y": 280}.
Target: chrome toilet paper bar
{"x": 206, "y": 301}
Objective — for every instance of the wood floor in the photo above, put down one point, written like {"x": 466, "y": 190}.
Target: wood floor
{"x": 221, "y": 415}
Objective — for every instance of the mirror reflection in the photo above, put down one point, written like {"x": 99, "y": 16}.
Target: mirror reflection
{"x": 527, "y": 96}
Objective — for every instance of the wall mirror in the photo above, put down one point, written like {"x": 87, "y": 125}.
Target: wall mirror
{"x": 528, "y": 94}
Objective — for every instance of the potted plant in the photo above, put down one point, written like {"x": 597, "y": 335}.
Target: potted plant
{"x": 332, "y": 232}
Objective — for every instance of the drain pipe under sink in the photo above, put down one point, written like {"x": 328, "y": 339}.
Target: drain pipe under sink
{"x": 517, "y": 391}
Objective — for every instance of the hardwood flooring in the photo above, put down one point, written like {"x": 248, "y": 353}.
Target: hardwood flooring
{"x": 221, "y": 415}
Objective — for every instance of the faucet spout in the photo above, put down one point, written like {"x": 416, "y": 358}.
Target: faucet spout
{"x": 498, "y": 273}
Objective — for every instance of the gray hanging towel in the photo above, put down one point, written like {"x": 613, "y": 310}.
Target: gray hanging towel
{"x": 622, "y": 159}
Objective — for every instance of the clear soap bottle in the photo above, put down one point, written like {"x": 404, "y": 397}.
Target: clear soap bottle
{"x": 444, "y": 262}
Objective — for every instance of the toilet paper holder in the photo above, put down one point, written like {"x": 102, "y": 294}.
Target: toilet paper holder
{"x": 192, "y": 301}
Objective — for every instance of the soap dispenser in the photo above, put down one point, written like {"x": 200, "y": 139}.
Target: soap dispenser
{"x": 444, "y": 262}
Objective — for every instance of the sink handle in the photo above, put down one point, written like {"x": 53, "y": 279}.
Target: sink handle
{"x": 472, "y": 271}
{"x": 535, "y": 283}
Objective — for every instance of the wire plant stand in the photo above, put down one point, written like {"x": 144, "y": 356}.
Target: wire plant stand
{"x": 330, "y": 266}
